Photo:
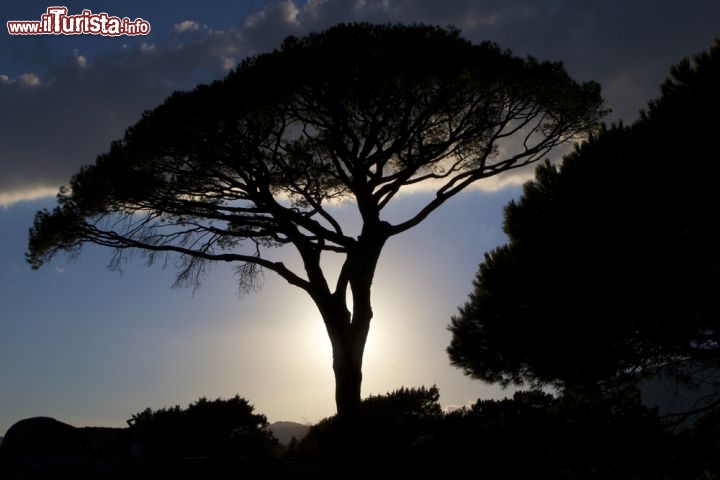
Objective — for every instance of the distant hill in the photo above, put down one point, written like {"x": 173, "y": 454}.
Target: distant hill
{"x": 284, "y": 431}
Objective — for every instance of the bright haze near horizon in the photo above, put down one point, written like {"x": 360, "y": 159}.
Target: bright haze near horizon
{"x": 90, "y": 346}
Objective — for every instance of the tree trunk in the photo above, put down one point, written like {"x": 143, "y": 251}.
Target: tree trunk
{"x": 348, "y": 345}
{"x": 348, "y": 334}
{"x": 347, "y": 366}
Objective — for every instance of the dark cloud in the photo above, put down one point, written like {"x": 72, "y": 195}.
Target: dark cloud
{"x": 63, "y": 118}
{"x": 63, "y": 110}
{"x": 627, "y": 46}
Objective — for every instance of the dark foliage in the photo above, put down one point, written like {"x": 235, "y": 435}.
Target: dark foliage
{"x": 217, "y": 428}
{"x": 573, "y": 436}
{"x": 613, "y": 266}
{"x": 697, "y": 449}
{"x": 533, "y": 434}
{"x": 108, "y": 442}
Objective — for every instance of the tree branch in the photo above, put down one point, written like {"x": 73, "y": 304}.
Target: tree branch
{"x": 115, "y": 240}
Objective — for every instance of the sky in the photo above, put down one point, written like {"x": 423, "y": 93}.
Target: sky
{"x": 90, "y": 346}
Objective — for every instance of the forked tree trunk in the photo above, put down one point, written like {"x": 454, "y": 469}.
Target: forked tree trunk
{"x": 348, "y": 348}
{"x": 348, "y": 334}
{"x": 348, "y": 331}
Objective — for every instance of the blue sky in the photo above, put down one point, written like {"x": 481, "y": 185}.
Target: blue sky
{"x": 91, "y": 347}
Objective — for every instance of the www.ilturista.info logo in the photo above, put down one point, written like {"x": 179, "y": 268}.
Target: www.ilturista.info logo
{"x": 57, "y": 22}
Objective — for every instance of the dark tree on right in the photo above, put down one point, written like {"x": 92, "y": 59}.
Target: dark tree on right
{"x": 612, "y": 270}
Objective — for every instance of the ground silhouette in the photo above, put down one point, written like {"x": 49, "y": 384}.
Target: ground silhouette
{"x": 405, "y": 433}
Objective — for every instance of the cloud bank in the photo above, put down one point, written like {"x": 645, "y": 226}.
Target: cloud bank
{"x": 61, "y": 113}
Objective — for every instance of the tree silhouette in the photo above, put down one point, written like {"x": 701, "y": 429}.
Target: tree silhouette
{"x": 613, "y": 265}
{"x": 257, "y": 160}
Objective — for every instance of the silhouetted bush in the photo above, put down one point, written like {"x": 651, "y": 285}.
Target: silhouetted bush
{"x": 226, "y": 428}
{"x": 573, "y": 436}
{"x": 580, "y": 434}
{"x": 108, "y": 442}
{"x": 389, "y": 426}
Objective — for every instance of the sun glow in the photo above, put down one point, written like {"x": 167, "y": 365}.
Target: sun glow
{"x": 316, "y": 343}
{"x": 281, "y": 345}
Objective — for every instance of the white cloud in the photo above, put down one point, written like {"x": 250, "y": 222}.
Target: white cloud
{"x": 29, "y": 80}
{"x": 187, "y": 26}
{"x": 80, "y": 60}
{"x": 454, "y": 408}
{"x": 291, "y": 12}
{"x": 148, "y": 47}
{"x": 27, "y": 193}
{"x": 286, "y": 11}
{"x": 24, "y": 80}
{"x": 495, "y": 183}
{"x": 473, "y": 20}
{"x": 228, "y": 63}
